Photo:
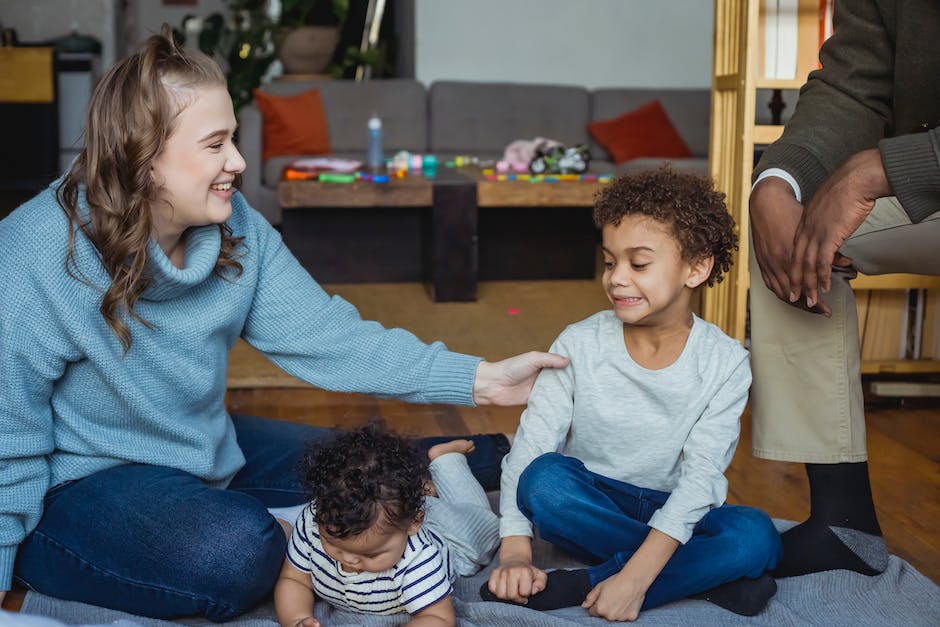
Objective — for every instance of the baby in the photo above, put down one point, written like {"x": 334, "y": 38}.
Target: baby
{"x": 388, "y": 530}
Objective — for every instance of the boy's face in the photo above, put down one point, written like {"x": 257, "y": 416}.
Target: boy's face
{"x": 645, "y": 277}
{"x": 375, "y": 550}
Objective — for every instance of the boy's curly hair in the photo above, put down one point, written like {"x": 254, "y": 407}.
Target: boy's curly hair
{"x": 364, "y": 476}
{"x": 687, "y": 203}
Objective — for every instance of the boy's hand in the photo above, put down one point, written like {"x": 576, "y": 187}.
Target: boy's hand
{"x": 616, "y": 598}
{"x": 620, "y": 597}
{"x": 517, "y": 580}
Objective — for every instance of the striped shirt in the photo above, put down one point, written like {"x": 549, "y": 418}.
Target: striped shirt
{"x": 419, "y": 579}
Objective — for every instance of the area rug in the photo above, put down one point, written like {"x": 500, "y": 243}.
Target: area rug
{"x": 899, "y": 596}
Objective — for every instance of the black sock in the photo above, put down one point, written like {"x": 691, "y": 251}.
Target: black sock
{"x": 565, "y": 588}
{"x": 842, "y": 531}
{"x": 742, "y": 596}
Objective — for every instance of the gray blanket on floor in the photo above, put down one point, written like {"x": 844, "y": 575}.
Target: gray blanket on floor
{"x": 899, "y": 596}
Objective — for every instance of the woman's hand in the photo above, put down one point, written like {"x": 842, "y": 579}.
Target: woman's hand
{"x": 508, "y": 382}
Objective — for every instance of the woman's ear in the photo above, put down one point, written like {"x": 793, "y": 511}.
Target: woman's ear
{"x": 699, "y": 271}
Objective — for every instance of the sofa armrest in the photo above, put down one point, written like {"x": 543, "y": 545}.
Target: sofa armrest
{"x": 252, "y": 186}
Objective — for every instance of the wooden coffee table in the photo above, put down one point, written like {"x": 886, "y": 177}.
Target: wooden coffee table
{"x": 451, "y": 198}
{"x": 454, "y": 197}
{"x": 528, "y": 194}
{"x": 410, "y": 191}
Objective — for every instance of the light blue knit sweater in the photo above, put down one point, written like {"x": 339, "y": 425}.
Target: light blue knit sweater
{"x": 71, "y": 403}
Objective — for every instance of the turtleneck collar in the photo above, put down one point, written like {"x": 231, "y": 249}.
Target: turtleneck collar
{"x": 202, "y": 252}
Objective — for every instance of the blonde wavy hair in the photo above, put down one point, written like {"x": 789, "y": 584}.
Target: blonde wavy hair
{"x": 131, "y": 115}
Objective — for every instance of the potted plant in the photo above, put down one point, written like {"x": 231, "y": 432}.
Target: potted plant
{"x": 247, "y": 39}
{"x": 242, "y": 41}
{"x": 310, "y": 34}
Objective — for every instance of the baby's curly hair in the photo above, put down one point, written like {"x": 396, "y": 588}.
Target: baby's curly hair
{"x": 364, "y": 476}
{"x": 687, "y": 203}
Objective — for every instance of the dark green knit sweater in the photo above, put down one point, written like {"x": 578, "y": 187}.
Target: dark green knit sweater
{"x": 879, "y": 86}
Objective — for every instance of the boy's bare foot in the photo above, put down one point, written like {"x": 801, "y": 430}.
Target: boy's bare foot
{"x": 454, "y": 446}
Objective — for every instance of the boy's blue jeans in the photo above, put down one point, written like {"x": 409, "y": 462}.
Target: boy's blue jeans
{"x": 603, "y": 521}
{"x": 158, "y": 542}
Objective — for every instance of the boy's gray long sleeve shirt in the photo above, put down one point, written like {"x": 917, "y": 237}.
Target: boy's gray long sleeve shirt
{"x": 673, "y": 430}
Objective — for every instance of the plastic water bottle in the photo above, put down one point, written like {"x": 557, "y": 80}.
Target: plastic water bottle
{"x": 375, "y": 157}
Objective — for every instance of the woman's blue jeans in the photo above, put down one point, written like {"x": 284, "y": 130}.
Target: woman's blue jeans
{"x": 603, "y": 522}
{"x": 158, "y": 542}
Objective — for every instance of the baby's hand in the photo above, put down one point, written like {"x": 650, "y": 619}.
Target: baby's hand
{"x": 310, "y": 621}
{"x": 517, "y": 580}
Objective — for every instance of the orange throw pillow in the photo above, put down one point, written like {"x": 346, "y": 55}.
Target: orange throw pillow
{"x": 293, "y": 125}
{"x": 644, "y": 132}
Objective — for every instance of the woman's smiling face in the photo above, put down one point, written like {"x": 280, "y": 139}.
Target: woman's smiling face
{"x": 199, "y": 162}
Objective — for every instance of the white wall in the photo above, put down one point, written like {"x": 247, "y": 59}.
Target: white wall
{"x": 145, "y": 17}
{"x": 592, "y": 43}
{"x": 42, "y": 20}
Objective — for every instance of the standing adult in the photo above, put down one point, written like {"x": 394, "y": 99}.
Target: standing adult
{"x": 124, "y": 482}
{"x": 852, "y": 185}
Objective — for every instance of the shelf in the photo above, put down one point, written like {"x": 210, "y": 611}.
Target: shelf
{"x": 895, "y": 282}
{"x": 902, "y": 366}
{"x": 767, "y": 134}
{"x": 778, "y": 83}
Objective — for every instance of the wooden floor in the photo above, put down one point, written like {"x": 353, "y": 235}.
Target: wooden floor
{"x": 512, "y": 317}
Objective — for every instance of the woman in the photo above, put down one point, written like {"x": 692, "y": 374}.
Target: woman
{"x": 125, "y": 483}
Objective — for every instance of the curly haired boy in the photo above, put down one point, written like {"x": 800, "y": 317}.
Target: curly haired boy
{"x": 620, "y": 457}
{"x": 388, "y": 530}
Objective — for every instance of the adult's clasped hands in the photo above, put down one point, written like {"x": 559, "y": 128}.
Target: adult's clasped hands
{"x": 796, "y": 246}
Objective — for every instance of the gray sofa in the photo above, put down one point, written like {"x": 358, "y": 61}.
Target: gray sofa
{"x": 466, "y": 118}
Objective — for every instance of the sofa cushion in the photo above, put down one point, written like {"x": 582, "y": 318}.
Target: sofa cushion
{"x": 400, "y": 103}
{"x": 689, "y": 110}
{"x": 643, "y": 132}
{"x": 474, "y": 118}
{"x": 293, "y": 124}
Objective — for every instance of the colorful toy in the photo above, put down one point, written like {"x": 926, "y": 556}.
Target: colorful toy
{"x": 557, "y": 159}
{"x": 329, "y": 177}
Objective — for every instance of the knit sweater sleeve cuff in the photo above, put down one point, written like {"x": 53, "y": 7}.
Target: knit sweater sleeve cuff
{"x": 672, "y": 528}
{"x": 912, "y": 163}
{"x": 451, "y": 379}
{"x": 799, "y": 162}
{"x": 7, "y": 557}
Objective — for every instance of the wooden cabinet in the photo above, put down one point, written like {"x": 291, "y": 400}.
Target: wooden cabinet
{"x": 29, "y": 127}
{"x": 736, "y": 78}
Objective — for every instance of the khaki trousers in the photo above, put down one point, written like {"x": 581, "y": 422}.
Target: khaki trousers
{"x": 806, "y": 398}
